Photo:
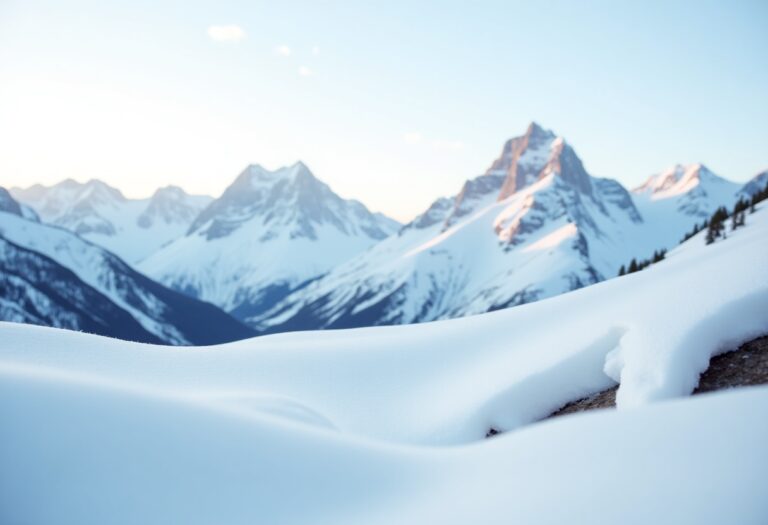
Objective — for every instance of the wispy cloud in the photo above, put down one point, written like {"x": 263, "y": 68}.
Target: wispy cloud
{"x": 230, "y": 33}
{"x": 304, "y": 71}
{"x": 283, "y": 51}
{"x": 315, "y": 50}
{"x": 413, "y": 137}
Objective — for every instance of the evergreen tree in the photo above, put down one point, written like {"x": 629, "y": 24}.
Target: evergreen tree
{"x": 710, "y": 238}
{"x": 632, "y": 266}
{"x": 622, "y": 271}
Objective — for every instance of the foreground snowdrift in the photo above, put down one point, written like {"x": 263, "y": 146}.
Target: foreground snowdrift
{"x": 320, "y": 427}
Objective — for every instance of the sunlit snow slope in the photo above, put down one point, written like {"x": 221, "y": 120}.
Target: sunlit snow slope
{"x": 535, "y": 225}
{"x": 320, "y": 427}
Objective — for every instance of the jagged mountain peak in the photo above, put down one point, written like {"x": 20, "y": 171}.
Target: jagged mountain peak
{"x": 287, "y": 201}
{"x": 102, "y": 214}
{"x": 8, "y": 204}
{"x": 64, "y": 195}
{"x": 270, "y": 232}
{"x": 677, "y": 180}
{"x": 754, "y": 185}
{"x": 538, "y": 153}
{"x": 171, "y": 206}
{"x": 255, "y": 176}
{"x": 524, "y": 161}
{"x": 170, "y": 192}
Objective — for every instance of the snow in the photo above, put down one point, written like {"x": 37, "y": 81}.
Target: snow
{"x": 352, "y": 426}
{"x": 554, "y": 233}
{"x": 283, "y": 228}
{"x": 94, "y": 266}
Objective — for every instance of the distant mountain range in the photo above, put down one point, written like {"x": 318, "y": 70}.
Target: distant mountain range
{"x": 51, "y": 276}
{"x": 131, "y": 228}
{"x": 535, "y": 225}
{"x": 279, "y": 250}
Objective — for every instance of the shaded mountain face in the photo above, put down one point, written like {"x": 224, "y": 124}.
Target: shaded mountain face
{"x": 35, "y": 289}
{"x": 9, "y": 205}
{"x": 534, "y": 225}
{"x": 131, "y": 228}
{"x": 754, "y": 185}
{"x": 270, "y": 233}
{"x": 55, "y": 277}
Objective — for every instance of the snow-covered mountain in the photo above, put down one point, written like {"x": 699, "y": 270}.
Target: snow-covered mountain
{"x": 269, "y": 234}
{"x": 536, "y": 224}
{"x": 52, "y": 276}
{"x": 130, "y": 228}
{"x": 754, "y": 185}
{"x": 675, "y": 199}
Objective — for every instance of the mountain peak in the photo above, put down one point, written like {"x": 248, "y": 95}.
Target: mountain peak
{"x": 289, "y": 201}
{"x": 676, "y": 180}
{"x": 530, "y": 157}
{"x": 8, "y": 204}
{"x": 171, "y": 193}
{"x": 537, "y": 132}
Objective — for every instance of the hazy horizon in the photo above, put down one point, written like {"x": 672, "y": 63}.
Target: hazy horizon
{"x": 393, "y": 106}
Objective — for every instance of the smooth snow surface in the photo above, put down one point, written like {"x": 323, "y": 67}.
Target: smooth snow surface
{"x": 346, "y": 426}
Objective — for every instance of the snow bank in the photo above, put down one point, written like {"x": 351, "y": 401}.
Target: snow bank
{"x": 320, "y": 427}
{"x": 80, "y": 452}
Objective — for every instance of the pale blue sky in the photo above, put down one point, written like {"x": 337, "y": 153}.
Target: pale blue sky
{"x": 394, "y": 104}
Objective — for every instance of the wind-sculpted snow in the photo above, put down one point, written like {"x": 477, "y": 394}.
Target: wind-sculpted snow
{"x": 319, "y": 427}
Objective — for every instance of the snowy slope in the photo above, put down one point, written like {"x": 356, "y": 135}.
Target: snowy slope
{"x": 130, "y": 228}
{"x": 34, "y": 252}
{"x": 318, "y": 427}
{"x": 268, "y": 234}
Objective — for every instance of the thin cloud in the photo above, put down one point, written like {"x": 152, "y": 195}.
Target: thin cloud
{"x": 304, "y": 71}
{"x": 230, "y": 33}
{"x": 283, "y": 51}
{"x": 315, "y": 50}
